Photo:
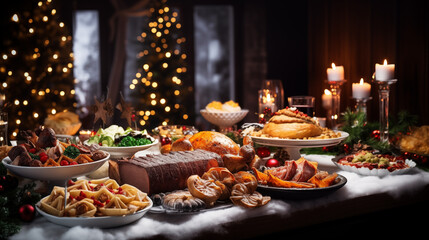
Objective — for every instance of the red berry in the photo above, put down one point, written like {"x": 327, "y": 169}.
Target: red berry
{"x": 44, "y": 158}
{"x": 73, "y": 163}
{"x": 165, "y": 140}
{"x": 33, "y": 150}
{"x": 70, "y": 183}
{"x": 64, "y": 163}
{"x": 263, "y": 152}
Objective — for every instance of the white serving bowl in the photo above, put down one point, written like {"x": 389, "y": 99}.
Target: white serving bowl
{"x": 224, "y": 119}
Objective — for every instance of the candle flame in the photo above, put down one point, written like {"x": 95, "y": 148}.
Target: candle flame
{"x": 385, "y": 62}
{"x": 327, "y": 92}
{"x": 333, "y": 65}
{"x": 361, "y": 81}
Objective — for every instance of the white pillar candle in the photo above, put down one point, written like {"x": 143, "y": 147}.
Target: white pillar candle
{"x": 361, "y": 89}
{"x": 336, "y": 73}
{"x": 327, "y": 99}
{"x": 384, "y": 72}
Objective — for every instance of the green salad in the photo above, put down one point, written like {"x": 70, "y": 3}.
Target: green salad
{"x": 116, "y": 136}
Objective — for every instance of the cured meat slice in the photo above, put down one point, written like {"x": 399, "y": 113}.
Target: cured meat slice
{"x": 290, "y": 170}
{"x": 304, "y": 171}
{"x": 163, "y": 172}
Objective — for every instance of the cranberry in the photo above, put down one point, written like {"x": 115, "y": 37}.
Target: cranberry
{"x": 64, "y": 163}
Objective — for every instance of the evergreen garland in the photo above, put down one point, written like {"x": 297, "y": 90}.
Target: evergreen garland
{"x": 361, "y": 133}
{"x": 12, "y": 197}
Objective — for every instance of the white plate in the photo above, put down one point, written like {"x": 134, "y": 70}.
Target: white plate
{"x": 375, "y": 171}
{"x": 99, "y": 222}
{"x": 54, "y": 173}
{"x": 282, "y": 142}
{"x": 119, "y": 152}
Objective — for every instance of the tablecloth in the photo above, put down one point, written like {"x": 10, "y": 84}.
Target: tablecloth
{"x": 189, "y": 226}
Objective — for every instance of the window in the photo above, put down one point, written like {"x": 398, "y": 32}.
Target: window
{"x": 86, "y": 50}
{"x": 214, "y": 54}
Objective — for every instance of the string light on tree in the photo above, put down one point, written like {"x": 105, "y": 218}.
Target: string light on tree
{"x": 158, "y": 87}
{"x": 36, "y": 66}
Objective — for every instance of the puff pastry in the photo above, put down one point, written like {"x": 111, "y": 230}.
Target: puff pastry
{"x": 291, "y": 123}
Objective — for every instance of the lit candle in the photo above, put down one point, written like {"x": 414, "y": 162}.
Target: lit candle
{"x": 336, "y": 73}
{"x": 85, "y": 134}
{"x": 384, "y": 72}
{"x": 268, "y": 102}
{"x": 361, "y": 89}
{"x": 327, "y": 99}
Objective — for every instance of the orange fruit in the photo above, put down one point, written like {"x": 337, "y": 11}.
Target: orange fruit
{"x": 241, "y": 196}
{"x": 206, "y": 190}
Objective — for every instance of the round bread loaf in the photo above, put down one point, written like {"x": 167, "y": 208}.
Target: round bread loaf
{"x": 291, "y": 130}
{"x": 290, "y": 123}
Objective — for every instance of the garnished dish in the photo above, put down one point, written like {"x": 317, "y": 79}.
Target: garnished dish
{"x": 289, "y": 123}
{"x": 116, "y": 136}
{"x": 369, "y": 163}
{"x": 174, "y": 132}
{"x": 298, "y": 179}
{"x": 44, "y": 150}
{"x": 91, "y": 203}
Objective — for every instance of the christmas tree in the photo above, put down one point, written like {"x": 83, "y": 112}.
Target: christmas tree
{"x": 158, "y": 90}
{"x": 36, "y": 66}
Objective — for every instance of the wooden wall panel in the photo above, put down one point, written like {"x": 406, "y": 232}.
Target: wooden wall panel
{"x": 358, "y": 34}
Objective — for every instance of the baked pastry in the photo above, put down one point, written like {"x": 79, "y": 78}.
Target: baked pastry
{"x": 182, "y": 201}
{"x": 417, "y": 141}
{"x": 291, "y": 123}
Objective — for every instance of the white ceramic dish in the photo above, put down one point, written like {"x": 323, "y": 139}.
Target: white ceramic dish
{"x": 98, "y": 222}
{"x": 224, "y": 119}
{"x": 119, "y": 152}
{"x": 374, "y": 172}
{"x": 54, "y": 173}
{"x": 281, "y": 142}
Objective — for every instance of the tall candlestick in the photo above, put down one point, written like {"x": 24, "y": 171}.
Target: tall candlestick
{"x": 384, "y": 75}
{"x": 336, "y": 73}
{"x": 335, "y": 81}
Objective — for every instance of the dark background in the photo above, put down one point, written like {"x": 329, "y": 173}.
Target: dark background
{"x": 296, "y": 41}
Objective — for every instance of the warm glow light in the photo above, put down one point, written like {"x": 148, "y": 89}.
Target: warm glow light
{"x": 53, "y": 111}
{"x": 15, "y": 18}
{"x": 35, "y": 115}
{"x": 333, "y": 65}
{"x": 385, "y": 62}
{"x": 62, "y": 93}
{"x": 327, "y": 92}
{"x": 361, "y": 81}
